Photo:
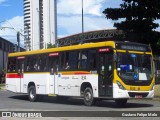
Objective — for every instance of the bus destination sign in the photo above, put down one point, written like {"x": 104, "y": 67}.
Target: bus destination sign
{"x": 135, "y": 47}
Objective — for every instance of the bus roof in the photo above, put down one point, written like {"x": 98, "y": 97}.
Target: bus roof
{"x": 65, "y": 48}
{"x": 114, "y": 44}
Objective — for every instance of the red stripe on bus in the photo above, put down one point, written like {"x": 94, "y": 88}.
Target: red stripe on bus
{"x": 79, "y": 73}
{"x": 75, "y": 73}
{"x": 14, "y": 76}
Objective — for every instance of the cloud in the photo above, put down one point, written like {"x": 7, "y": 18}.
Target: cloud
{"x": 2, "y": 1}
{"x": 70, "y": 19}
{"x": 9, "y": 28}
{"x": 74, "y": 7}
{"x": 73, "y": 24}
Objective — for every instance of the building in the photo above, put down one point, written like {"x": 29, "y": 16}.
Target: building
{"x": 5, "y": 48}
{"x": 39, "y": 23}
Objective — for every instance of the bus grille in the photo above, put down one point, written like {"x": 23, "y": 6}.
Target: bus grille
{"x": 133, "y": 94}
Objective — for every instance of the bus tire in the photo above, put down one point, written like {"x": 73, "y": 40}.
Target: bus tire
{"x": 121, "y": 102}
{"x": 32, "y": 93}
{"x": 88, "y": 97}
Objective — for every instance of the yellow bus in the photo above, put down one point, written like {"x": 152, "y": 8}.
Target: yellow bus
{"x": 94, "y": 71}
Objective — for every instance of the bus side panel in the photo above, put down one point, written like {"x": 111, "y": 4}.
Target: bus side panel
{"x": 70, "y": 85}
{"x": 12, "y": 84}
{"x": 39, "y": 79}
{"x": 56, "y": 84}
{"x": 93, "y": 80}
{"x": 53, "y": 84}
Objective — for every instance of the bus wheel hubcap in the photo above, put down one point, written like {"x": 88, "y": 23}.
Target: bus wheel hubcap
{"x": 32, "y": 94}
{"x": 88, "y": 96}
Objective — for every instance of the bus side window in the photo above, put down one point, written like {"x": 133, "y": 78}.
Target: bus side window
{"x": 84, "y": 58}
{"x": 37, "y": 63}
{"x": 70, "y": 60}
{"x": 92, "y": 59}
{"x": 88, "y": 59}
{"x": 31, "y": 63}
{"x": 20, "y": 64}
{"x": 42, "y": 62}
{"x": 64, "y": 61}
{"x": 53, "y": 64}
{"x": 11, "y": 65}
{"x": 73, "y": 60}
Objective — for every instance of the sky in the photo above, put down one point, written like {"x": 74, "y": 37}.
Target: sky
{"x": 68, "y": 17}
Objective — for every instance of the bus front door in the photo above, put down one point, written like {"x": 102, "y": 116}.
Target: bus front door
{"x": 105, "y": 74}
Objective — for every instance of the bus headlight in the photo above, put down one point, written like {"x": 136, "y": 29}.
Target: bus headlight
{"x": 120, "y": 85}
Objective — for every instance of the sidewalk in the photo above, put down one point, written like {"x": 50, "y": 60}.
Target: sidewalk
{"x": 2, "y": 87}
{"x": 157, "y": 91}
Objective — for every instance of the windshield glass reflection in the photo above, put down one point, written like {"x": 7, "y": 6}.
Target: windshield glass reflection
{"x": 134, "y": 66}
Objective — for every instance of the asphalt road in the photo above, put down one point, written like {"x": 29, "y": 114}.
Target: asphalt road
{"x": 15, "y": 102}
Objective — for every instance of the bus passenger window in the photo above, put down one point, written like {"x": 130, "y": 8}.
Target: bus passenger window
{"x": 73, "y": 60}
{"x": 37, "y": 63}
{"x": 84, "y": 60}
{"x": 88, "y": 59}
{"x": 67, "y": 66}
{"x": 92, "y": 59}
{"x": 11, "y": 65}
{"x": 69, "y": 60}
{"x": 31, "y": 64}
{"x": 53, "y": 64}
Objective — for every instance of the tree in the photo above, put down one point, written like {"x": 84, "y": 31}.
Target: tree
{"x": 50, "y": 45}
{"x": 138, "y": 16}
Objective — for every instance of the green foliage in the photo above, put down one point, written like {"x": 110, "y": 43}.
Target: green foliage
{"x": 137, "y": 20}
{"x": 50, "y": 45}
{"x": 139, "y": 15}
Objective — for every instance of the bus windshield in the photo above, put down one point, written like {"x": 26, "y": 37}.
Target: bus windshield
{"x": 134, "y": 67}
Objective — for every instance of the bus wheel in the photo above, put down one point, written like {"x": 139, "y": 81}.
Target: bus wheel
{"x": 32, "y": 93}
{"x": 88, "y": 97}
{"x": 121, "y": 102}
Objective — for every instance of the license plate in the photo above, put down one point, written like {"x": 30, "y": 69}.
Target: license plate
{"x": 138, "y": 96}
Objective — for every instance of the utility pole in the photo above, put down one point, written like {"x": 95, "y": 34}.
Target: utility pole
{"x": 82, "y": 25}
{"x": 18, "y": 41}
{"x": 82, "y": 19}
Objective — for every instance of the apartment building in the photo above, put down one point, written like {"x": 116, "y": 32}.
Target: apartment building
{"x": 39, "y": 23}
